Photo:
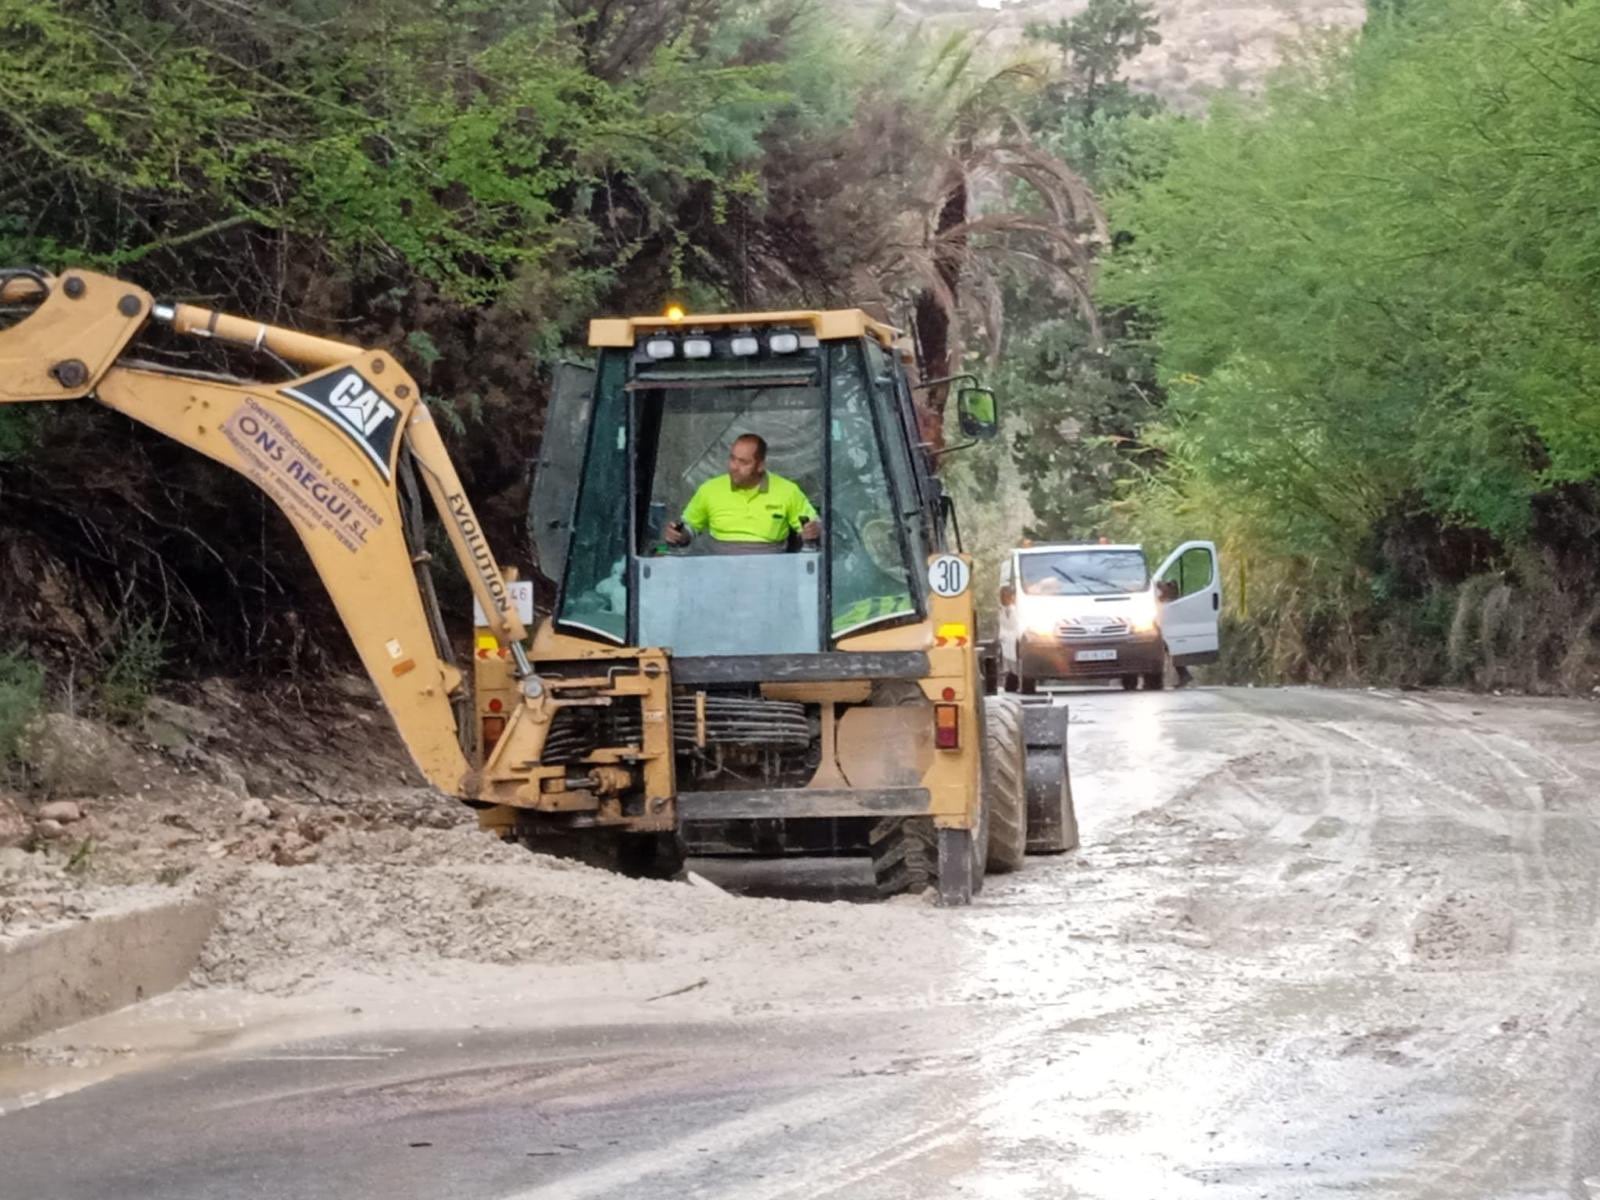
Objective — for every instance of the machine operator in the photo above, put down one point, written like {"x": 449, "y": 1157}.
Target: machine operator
{"x": 750, "y": 510}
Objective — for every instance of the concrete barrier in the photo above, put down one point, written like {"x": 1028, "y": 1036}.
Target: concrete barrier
{"x": 59, "y": 976}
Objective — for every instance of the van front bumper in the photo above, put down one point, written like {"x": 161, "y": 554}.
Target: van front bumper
{"x": 1050, "y": 657}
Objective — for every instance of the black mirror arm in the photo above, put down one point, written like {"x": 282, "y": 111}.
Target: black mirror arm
{"x": 936, "y": 455}
{"x": 933, "y": 383}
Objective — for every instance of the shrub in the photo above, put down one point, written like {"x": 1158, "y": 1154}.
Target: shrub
{"x": 21, "y": 691}
{"x": 131, "y": 674}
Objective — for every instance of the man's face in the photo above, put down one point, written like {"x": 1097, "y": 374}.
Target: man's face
{"x": 744, "y": 468}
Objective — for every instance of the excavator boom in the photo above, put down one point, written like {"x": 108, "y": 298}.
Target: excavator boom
{"x": 330, "y": 448}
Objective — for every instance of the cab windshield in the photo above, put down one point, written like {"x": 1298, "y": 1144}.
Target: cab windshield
{"x": 1083, "y": 573}
{"x": 661, "y": 429}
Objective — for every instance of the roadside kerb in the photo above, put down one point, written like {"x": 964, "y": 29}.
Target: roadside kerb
{"x": 59, "y": 976}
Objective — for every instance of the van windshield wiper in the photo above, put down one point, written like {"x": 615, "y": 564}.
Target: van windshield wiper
{"x": 1110, "y": 584}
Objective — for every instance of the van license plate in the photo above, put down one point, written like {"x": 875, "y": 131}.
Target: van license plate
{"x": 1096, "y": 656}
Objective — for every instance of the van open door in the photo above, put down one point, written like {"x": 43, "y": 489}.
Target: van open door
{"x": 1191, "y": 582}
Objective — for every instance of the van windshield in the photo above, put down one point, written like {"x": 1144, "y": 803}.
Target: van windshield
{"x": 1083, "y": 572}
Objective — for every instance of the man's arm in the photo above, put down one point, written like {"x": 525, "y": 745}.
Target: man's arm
{"x": 802, "y": 516}
{"x": 696, "y": 517}
{"x": 697, "y": 513}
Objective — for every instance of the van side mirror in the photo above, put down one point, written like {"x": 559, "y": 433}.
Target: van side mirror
{"x": 979, "y": 412}
{"x": 1166, "y": 590}
{"x": 1008, "y": 595}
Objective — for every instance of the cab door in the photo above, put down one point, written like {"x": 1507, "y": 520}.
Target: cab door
{"x": 1189, "y": 589}
{"x": 557, "y": 470}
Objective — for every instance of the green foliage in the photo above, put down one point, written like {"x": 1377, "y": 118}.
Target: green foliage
{"x": 134, "y": 667}
{"x": 21, "y": 696}
{"x": 1082, "y": 402}
{"x": 1090, "y": 114}
{"x": 460, "y": 143}
{"x": 1081, "y": 391}
{"x": 1378, "y": 296}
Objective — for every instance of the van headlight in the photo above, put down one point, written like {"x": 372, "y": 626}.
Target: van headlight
{"x": 1142, "y": 614}
{"x": 1041, "y": 624}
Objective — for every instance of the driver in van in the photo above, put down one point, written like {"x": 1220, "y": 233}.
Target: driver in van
{"x": 750, "y": 510}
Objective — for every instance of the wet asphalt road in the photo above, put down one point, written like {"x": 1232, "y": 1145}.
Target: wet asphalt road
{"x": 1315, "y": 942}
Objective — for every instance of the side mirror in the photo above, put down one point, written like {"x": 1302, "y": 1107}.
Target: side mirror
{"x": 1008, "y": 595}
{"x": 979, "y": 412}
{"x": 1166, "y": 590}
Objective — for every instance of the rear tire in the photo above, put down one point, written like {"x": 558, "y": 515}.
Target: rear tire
{"x": 1005, "y": 784}
{"x": 905, "y": 855}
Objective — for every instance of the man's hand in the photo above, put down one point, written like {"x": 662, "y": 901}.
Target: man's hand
{"x": 676, "y": 533}
{"x": 811, "y": 530}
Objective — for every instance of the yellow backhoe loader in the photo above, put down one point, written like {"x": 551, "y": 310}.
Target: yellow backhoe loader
{"x": 825, "y": 698}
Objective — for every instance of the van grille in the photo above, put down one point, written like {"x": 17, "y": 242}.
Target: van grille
{"x": 1078, "y": 628}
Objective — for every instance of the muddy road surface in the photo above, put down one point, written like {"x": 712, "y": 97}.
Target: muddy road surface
{"x": 1314, "y": 943}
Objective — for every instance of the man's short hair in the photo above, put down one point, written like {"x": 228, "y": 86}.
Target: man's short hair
{"x": 761, "y": 444}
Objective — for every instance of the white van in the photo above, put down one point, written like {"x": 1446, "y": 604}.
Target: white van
{"x": 1093, "y": 611}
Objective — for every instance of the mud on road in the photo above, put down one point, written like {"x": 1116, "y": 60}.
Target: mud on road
{"x": 1314, "y": 942}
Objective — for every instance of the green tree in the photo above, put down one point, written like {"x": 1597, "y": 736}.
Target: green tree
{"x": 1376, "y": 297}
{"x": 1080, "y": 391}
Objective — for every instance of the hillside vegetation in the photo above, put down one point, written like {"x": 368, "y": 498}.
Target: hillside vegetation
{"x": 1348, "y": 326}
{"x": 1373, "y": 301}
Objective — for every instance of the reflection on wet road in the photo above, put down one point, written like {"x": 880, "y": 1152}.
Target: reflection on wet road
{"x": 1314, "y": 942}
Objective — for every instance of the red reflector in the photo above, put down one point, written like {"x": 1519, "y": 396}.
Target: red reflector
{"x": 949, "y": 693}
{"x": 495, "y": 705}
{"x": 493, "y": 727}
{"x": 947, "y": 726}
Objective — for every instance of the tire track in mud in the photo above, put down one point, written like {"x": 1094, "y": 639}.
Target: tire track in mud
{"x": 1510, "y": 797}
{"x": 1390, "y": 839}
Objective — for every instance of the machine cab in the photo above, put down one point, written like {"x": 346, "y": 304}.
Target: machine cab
{"x": 830, "y": 398}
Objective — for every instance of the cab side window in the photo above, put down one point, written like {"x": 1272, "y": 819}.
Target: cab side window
{"x": 1192, "y": 572}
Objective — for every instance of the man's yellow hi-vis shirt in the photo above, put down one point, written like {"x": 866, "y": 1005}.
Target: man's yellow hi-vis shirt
{"x": 764, "y": 513}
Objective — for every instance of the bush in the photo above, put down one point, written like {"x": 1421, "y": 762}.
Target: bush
{"x": 21, "y": 691}
{"x": 131, "y": 675}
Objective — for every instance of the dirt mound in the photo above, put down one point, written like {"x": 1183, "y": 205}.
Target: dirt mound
{"x": 400, "y": 901}
{"x": 282, "y": 927}
{"x": 386, "y": 879}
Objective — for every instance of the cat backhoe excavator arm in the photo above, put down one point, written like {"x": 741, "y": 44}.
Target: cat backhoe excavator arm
{"x": 330, "y": 447}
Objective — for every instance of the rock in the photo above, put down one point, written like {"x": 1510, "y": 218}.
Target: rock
{"x": 220, "y": 696}
{"x": 292, "y": 851}
{"x": 167, "y": 719}
{"x": 14, "y": 828}
{"x": 258, "y": 781}
{"x": 255, "y": 812}
{"x": 50, "y": 830}
{"x": 71, "y": 756}
{"x": 64, "y": 811}
{"x": 226, "y": 772}
{"x": 14, "y": 860}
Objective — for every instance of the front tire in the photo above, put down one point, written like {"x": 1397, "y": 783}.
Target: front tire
{"x": 636, "y": 855}
{"x": 1005, "y": 784}
{"x": 1130, "y": 683}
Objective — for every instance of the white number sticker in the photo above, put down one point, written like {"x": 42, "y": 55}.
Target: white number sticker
{"x": 948, "y": 575}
